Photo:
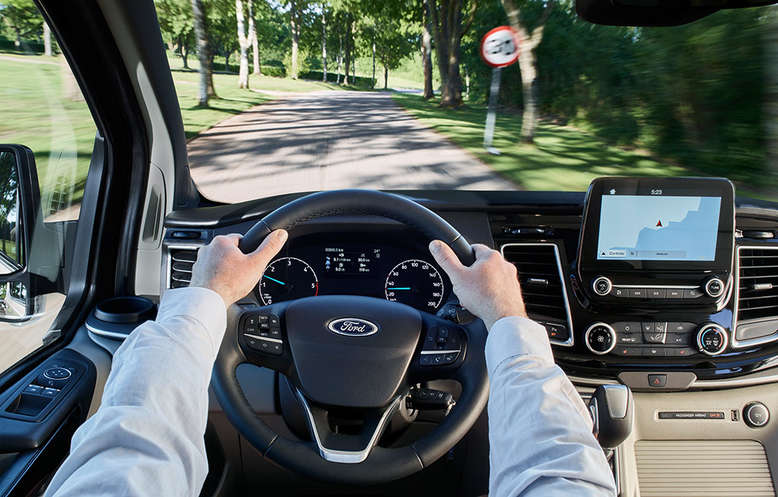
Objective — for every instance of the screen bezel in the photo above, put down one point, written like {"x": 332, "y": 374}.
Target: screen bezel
{"x": 693, "y": 187}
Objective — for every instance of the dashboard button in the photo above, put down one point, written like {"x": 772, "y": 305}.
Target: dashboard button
{"x": 629, "y": 339}
{"x": 654, "y": 352}
{"x": 602, "y": 286}
{"x": 636, "y": 293}
{"x": 657, "y": 293}
{"x": 756, "y": 414}
{"x": 619, "y": 292}
{"x": 626, "y": 327}
{"x": 648, "y": 326}
{"x": 679, "y": 351}
{"x": 657, "y": 380}
{"x": 674, "y": 293}
{"x": 557, "y": 331}
{"x": 714, "y": 287}
{"x": 693, "y": 293}
{"x": 627, "y": 351}
{"x": 677, "y": 339}
{"x": 680, "y": 327}
{"x": 660, "y": 326}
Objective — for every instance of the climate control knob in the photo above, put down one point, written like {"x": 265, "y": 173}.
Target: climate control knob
{"x": 600, "y": 338}
{"x": 712, "y": 339}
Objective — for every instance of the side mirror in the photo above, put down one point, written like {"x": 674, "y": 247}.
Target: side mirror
{"x": 19, "y": 209}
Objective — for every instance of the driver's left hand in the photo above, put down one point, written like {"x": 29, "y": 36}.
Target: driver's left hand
{"x": 223, "y": 268}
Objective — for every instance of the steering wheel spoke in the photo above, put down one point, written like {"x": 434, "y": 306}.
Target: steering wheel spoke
{"x": 343, "y": 448}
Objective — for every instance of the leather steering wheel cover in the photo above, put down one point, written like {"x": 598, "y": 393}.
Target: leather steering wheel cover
{"x": 359, "y": 202}
{"x": 383, "y": 464}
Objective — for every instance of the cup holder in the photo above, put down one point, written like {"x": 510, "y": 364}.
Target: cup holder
{"x": 117, "y": 317}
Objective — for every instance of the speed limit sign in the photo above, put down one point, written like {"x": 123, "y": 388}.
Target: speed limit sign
{"x": 500, "y": 47}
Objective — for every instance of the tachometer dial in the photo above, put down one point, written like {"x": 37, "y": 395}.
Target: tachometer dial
{"x": 416, "y": 283}
{"x": 287, "y": 278}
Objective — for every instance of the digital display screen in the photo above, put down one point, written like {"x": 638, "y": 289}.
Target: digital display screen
{"x": 658, "y": 228}
{"x": 350, "y": 262}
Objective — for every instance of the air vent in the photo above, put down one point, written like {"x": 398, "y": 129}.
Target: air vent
{"x": 543, "y": 287}
{"x": 181, "y": 262}
{"x": 757, "y": 295}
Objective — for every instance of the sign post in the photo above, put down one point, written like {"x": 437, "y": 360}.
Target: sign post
{"x": 499, "y": 48}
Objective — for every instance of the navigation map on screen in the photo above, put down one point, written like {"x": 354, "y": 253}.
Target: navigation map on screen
{"x": 652, "y": 228}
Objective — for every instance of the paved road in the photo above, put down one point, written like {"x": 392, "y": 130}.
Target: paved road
{"x": 328, "y": 140}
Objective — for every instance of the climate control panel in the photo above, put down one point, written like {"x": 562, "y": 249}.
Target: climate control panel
{"x": 666, "y": 339}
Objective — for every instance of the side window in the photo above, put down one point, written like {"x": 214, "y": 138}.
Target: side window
{"x": 42, "y": 109}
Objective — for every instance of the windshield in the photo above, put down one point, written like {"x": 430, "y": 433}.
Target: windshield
{"x": 293, "y": 96}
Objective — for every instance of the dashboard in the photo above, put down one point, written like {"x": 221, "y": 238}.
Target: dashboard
{"x": 634, "y": 276}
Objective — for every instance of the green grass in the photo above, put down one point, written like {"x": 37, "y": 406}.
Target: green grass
{"x": 562, "y": 158}
{"x": 38, "y": 112}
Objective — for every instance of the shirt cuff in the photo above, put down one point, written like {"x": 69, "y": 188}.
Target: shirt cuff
{"x": 514, "y": 335}
{"x": 200, "y": 304}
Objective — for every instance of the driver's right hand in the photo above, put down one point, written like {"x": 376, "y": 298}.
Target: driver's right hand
{"x": 489, "y": 288}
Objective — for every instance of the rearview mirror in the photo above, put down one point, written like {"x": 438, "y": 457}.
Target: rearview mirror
{"x": 655, "y": 12}
{"x": 19, "y": 205}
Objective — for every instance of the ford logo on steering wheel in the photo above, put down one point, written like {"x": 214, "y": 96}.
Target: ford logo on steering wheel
{"x": 352, "y": 327}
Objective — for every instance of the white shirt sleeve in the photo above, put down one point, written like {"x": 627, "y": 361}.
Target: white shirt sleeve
{"x": 147, "y": 436}
{"x": 540, "y": 431}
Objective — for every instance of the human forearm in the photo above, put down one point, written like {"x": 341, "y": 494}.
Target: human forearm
{"x": 539, "y": 429}
{"x": 154, "y": 407}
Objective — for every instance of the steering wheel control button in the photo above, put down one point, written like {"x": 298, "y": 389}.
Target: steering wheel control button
{"x": 600, "y": 338}
{"x": 602, "y": 286}
{"x": 714, "y": 287}
{"x": 756, "y": 414}
{"x": 442, "y": 346}
{"x": 712, "y": 339}
{"x": 262, "y": 332}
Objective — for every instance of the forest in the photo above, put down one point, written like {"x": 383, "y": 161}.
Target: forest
{"x": 703, "y": 96}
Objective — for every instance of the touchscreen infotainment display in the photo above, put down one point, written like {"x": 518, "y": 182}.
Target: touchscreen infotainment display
{"x": 658, "y": 228}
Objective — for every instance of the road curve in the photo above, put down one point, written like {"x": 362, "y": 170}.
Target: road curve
{"x": 328, "y": 140}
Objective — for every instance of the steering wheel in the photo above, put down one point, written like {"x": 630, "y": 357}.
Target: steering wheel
{"x": 353, "y": 352}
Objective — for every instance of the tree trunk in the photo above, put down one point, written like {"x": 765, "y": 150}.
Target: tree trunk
{"x": 448, "y": 27}
{"x": 227, "y": 61}
{"x": 243, "y": 41}
{"x": 254, "y": 41}
{"x": 373, "y": 58}
{"x": 426, "y": 54}
{"x": 348, "y": 46}
{"x": 185, "y": 55}
{"x": 386, "y": 78}
{"x": 203, "y": 53}
{"x": 528, "y": 41}
{"x": 295, "y": 26}
{"x": 324, "y": 42}
{"x": 46, "y": 39}
{"x": 340, "y": 56}
{"x": 771, "y": 97}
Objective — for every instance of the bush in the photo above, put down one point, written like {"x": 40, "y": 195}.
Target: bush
{"x": 358, "y": 82}
{"x": 275, "y": 71}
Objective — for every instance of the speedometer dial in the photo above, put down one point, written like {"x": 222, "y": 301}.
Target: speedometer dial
{"x": 287, "y": 278}
{"x": 416, "y": 283}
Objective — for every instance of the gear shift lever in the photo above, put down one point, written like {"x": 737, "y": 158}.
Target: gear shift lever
{"x": 611, "y": 407}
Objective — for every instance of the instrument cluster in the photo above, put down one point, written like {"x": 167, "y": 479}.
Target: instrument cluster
{"x": 355, "y": 264}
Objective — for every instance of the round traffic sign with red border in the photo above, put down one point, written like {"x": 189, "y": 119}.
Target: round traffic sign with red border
{"x": 500, "y": 47}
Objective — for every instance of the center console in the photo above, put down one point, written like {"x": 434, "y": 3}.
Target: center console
{"x": 655, "y": 266}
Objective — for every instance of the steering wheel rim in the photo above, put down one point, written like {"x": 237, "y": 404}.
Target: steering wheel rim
{"x": 381, "y": 464}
